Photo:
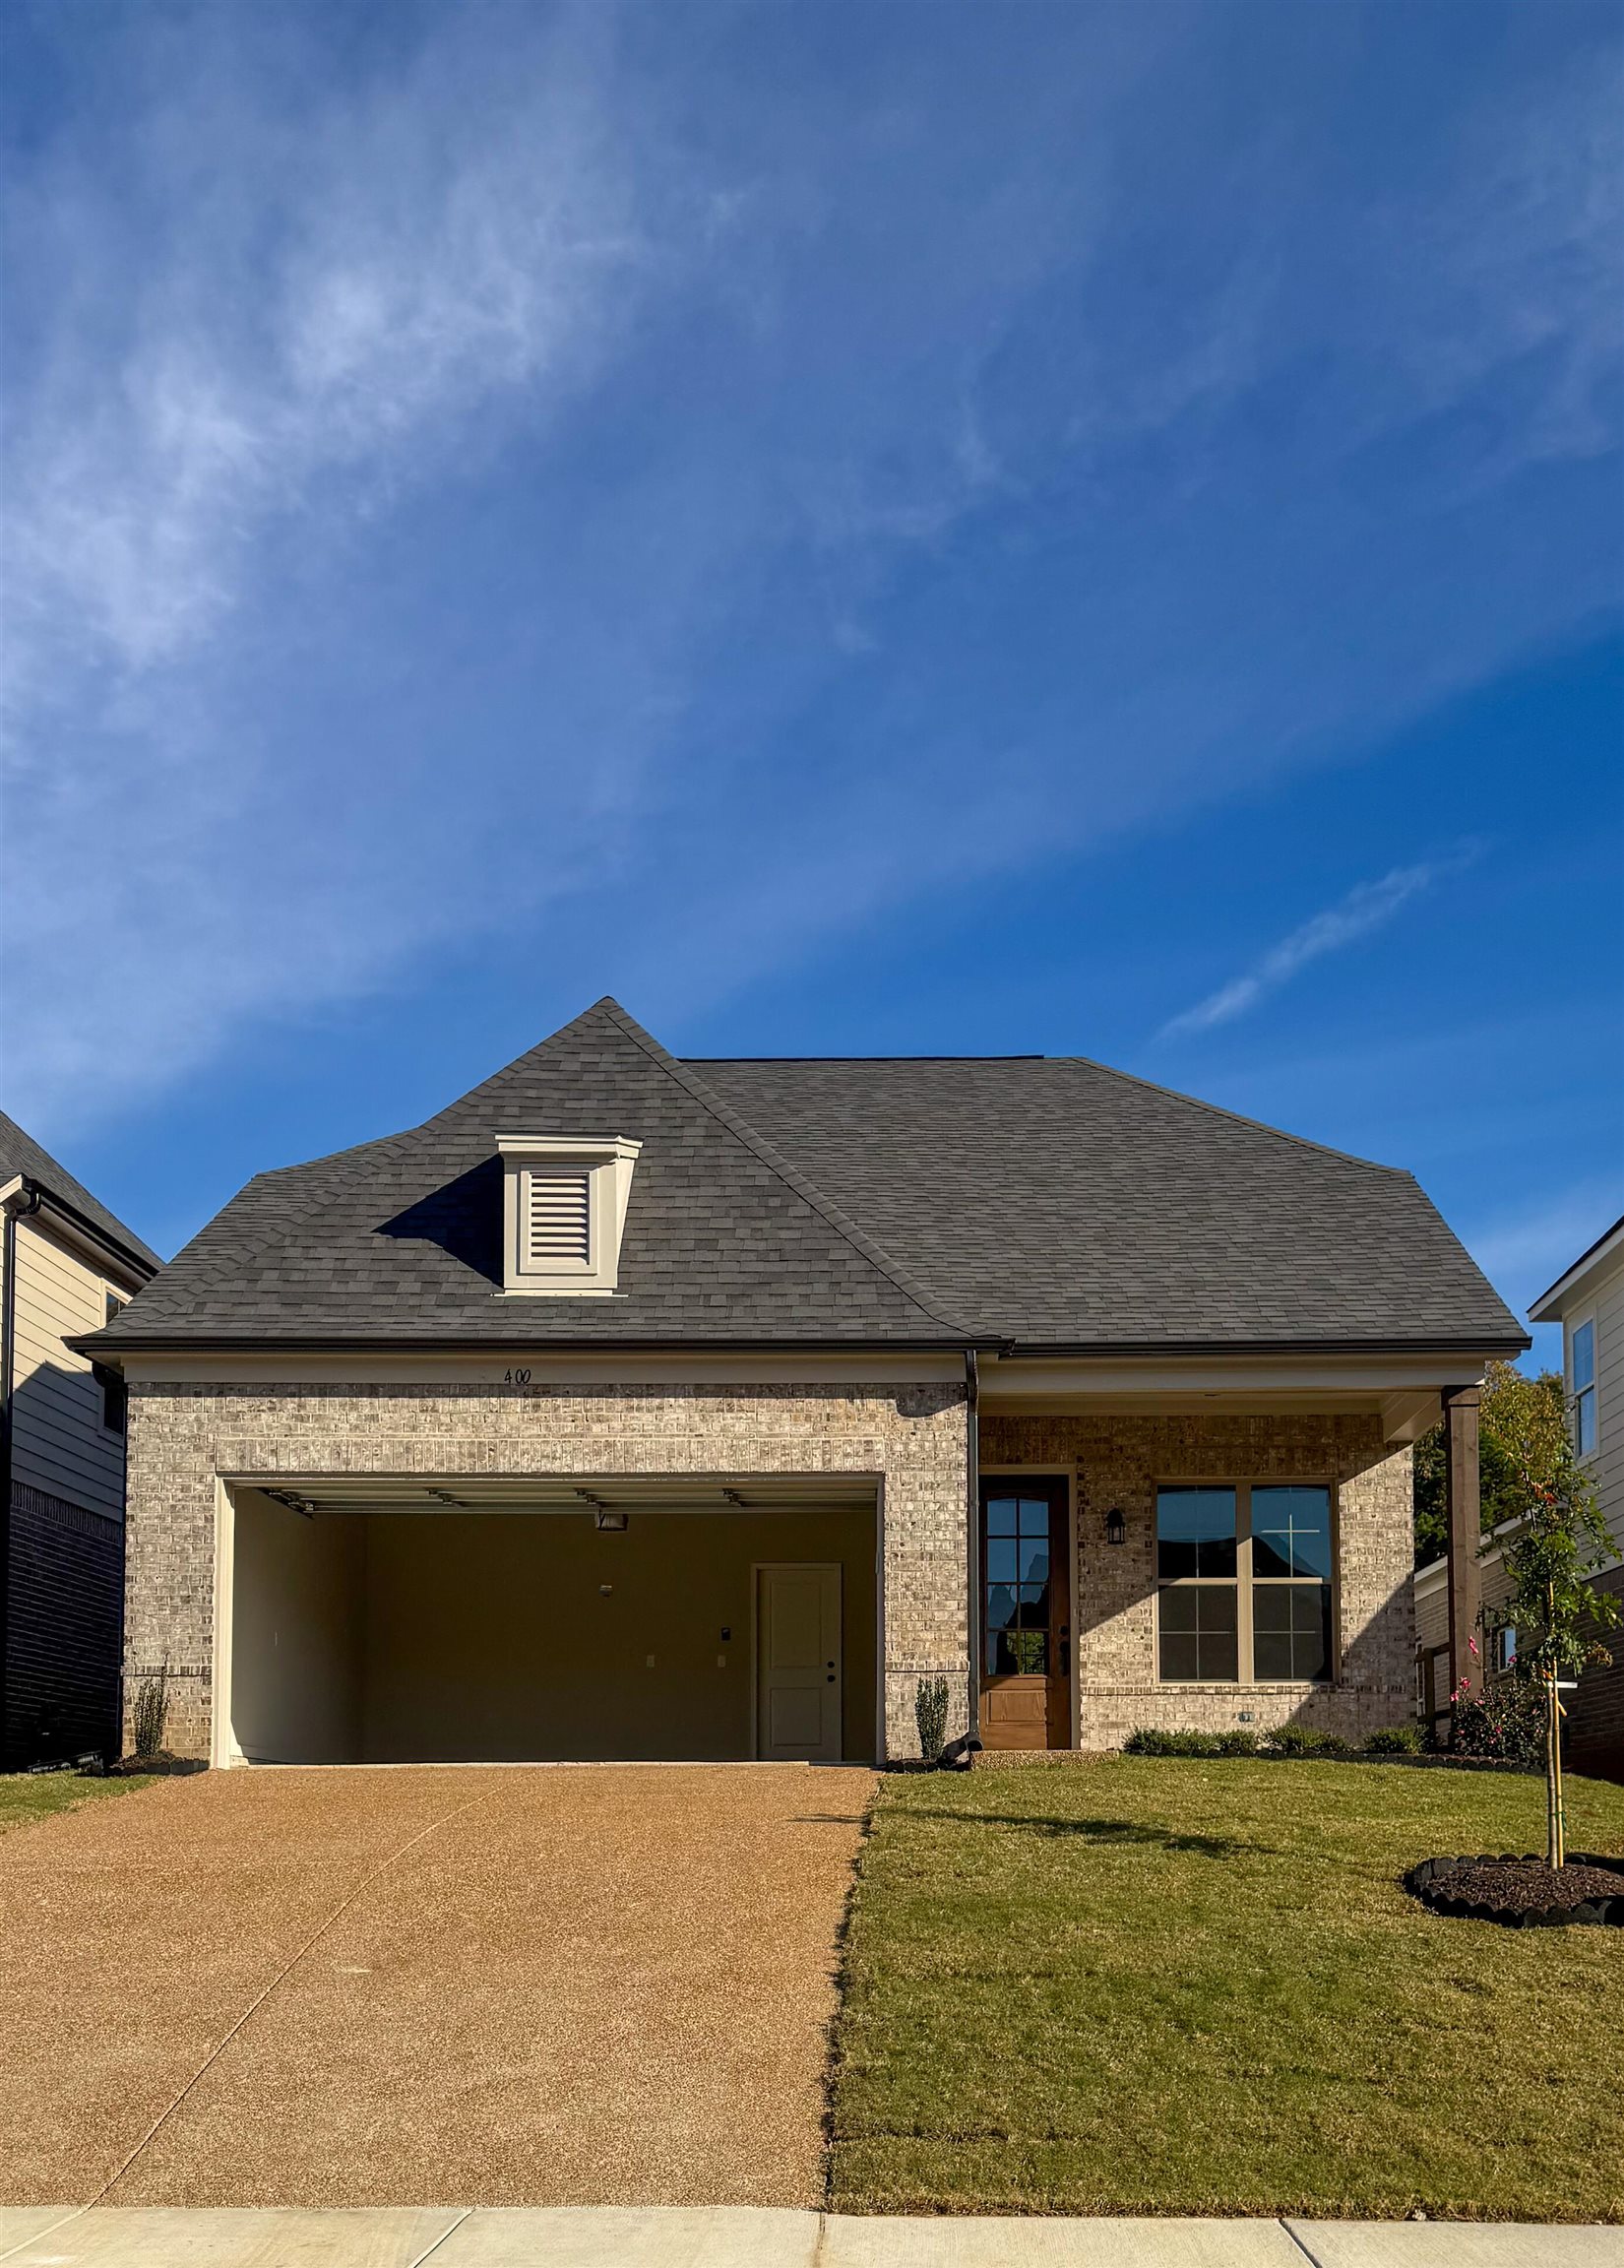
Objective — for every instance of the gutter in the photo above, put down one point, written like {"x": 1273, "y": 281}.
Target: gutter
{"x": 128, "y": 1342}
{"x": 105, "y": 1348}
{"x": 1128, "y": 1350}
{"x": 130, "y": 1262}
{"x": 18, "y": 1205}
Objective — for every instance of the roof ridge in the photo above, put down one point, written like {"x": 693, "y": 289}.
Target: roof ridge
{"x": 742, "y": 1131}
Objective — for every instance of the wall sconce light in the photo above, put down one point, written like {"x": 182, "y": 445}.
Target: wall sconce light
{"x": 1116, "y": 1527}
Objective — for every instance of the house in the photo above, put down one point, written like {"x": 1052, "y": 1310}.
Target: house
{"x": 1588, "y": 1301}
{"x": 638, "y": 1408}
{"x": 67, "y": 1266}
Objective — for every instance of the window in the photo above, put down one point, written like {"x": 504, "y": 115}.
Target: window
{"x": 1505, "y": 1648}
{"x": 563, "y": 1211}
{"x": 115, "y": 1395}
{"x": 1243, "y": 1583}
{"x": 1197, "y": 1565}
{"x": 1582, "y": 1385}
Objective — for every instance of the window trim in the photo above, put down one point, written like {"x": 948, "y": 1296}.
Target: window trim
{"x": 1244, "y": 1580}
{"x": 1575, "y": 1325}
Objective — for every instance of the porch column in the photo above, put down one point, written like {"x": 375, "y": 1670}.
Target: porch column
{"x": 1466, "y": 1574}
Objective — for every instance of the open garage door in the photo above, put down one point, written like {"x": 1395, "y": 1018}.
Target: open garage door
{"x": 388, "y": 1620}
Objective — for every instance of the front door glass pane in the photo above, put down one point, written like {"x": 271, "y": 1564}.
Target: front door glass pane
{"x": 1017, "y": 1639}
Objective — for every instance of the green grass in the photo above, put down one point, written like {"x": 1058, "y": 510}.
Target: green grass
{"x": 26, "y": 1796}
{"x": 1149, "y": 1986}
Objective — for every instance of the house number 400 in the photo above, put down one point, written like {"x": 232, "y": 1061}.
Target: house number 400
{"x": 515, "y": 1377}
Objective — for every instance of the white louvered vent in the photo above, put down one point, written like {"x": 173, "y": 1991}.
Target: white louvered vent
{"x": 564, "y": 1200}
{"x": 558, "y": 1219}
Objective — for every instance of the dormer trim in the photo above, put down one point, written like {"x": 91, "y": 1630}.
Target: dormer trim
{"x": 564, "y": 1199}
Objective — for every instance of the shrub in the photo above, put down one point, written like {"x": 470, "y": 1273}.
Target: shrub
{"x": 151, "y": 1712}
{"x": 1306, "y": 1741}
{"x": 1397, "y": 1740}
{"x": 1508, "y": 1722}
{"x": 1151, "y": 1740}
{"x": 930, "y": 1708}
{"x": 1242, "y": 1742}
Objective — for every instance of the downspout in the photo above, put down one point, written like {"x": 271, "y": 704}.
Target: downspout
{"x": 27, "y": 1202}
{"x": 973, "y": 1550}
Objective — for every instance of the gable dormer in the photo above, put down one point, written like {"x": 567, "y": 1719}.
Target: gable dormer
{"x": 564, "y": 1203}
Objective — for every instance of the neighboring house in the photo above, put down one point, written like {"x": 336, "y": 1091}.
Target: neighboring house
{"x": 1589, "y": 1303}
{"x": 636, "y": 1407}
{"x": 66, "y": 1267}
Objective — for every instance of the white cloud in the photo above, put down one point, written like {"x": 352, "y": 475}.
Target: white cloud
{"x": 271, "y": 309}
{"x": 1368, "y": 906}
{"x": 411, "y": 277}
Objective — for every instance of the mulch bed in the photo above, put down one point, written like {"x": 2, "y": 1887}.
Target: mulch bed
{"x": 163, "y": 1764}
{"x": 1522, "y": 1891}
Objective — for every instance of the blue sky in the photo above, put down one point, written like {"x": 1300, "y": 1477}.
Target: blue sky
{"x": 858, "y": 529}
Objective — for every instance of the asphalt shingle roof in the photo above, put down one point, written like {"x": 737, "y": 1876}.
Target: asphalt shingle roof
{"x": 21, "y": 1154}
{"x": 841, "y": 1202}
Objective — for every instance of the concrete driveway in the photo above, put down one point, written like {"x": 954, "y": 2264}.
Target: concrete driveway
{"x": 496, "y": 1985}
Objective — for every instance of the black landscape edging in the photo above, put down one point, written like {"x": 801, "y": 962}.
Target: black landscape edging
{"x": 1428, "y": 1881}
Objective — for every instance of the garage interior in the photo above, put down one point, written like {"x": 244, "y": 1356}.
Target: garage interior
{"x": 496, "y": 1620}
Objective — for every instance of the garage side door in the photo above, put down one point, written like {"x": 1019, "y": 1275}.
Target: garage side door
{"x": 798, "y": 1663}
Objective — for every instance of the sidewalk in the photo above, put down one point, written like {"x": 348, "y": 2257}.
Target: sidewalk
{"x": 681, "y": 2236}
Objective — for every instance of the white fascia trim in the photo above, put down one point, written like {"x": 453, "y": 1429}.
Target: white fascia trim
{"x": 1552, "y": 1305}
{"x": 520, "y": 1369}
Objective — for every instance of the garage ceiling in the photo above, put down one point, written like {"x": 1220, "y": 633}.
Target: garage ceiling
{"x": 581, "y": 1492}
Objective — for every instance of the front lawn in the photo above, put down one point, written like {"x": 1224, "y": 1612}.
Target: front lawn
{"x": 30, "y": 1795}
{"x": 1149, "y": 1986}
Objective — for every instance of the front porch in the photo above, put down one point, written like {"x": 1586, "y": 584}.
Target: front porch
{"x": 1209, "y": 1546}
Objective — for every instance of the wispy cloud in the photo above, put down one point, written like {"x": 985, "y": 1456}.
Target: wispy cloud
{"x": 1368, "y": 906}
{"x": 403, "y": 282}
{"x": 485, "y": 461}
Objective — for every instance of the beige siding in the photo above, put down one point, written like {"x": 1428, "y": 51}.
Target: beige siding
{"x": 59, "y": 1442}
{"x": 1607, "y": 1307}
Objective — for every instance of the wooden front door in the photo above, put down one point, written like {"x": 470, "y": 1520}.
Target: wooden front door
{"x": 798, "y": 1663}
{"x": 1026, "y": 1613}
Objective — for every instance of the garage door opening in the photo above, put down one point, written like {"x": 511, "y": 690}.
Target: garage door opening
{"x": 503, "y": 1621}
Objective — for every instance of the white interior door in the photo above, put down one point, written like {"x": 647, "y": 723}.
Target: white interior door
{"x": 798, "y": 1663}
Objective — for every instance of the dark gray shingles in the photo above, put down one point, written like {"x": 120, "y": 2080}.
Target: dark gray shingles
{"x": 844, "y": 1201}
{"x": 21, "y": 1154}
{"x": 1056, "y": 1200}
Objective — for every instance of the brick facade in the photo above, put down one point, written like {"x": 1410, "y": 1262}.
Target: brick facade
{"x": 1119, "y": 1461}
{"x": 912, "y": 1439}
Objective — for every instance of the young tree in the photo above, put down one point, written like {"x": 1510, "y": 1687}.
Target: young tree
{"x": 1560, "y": 1541}
{"x": 1521, "y": 1430}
